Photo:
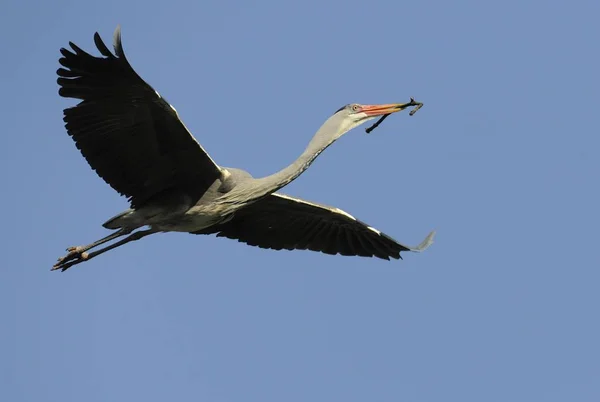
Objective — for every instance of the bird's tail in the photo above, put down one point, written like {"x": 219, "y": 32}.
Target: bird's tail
{"x": 117, "y": 221}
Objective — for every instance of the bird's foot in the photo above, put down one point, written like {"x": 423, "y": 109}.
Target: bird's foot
{"x": 74, "y": 256}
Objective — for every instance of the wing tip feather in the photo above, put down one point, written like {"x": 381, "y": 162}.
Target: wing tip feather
{"x": 428, "y": 241}
{"x": 117, "y": 43}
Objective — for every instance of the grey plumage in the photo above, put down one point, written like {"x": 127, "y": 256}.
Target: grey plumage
{"x": 136, "y": 142}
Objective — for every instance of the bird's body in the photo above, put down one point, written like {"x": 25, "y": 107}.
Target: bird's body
{"x": 134, "y": 139}
{"x": 177, "y": 212}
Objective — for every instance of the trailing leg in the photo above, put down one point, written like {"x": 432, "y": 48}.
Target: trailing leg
{"x": 79, "y": 254}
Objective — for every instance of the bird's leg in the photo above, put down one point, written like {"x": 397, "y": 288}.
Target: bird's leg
{"x": 66, "y": 264}
{"x": 79, "y": 251}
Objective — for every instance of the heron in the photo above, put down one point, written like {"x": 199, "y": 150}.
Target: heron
{"x": 136, "y": 142}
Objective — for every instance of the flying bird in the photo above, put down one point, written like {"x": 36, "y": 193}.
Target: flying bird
{"x": 136, "y": 142}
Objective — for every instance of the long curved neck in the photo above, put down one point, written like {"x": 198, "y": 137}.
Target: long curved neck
{"x": 285, "y": 176}
{"x": 329, "y": 132}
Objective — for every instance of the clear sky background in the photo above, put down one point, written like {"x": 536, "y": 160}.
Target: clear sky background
{"x": 503, "y": 160}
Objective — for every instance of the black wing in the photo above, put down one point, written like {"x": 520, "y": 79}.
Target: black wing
{"x": 126, "y": 131}
{"x": 281, "y": 222}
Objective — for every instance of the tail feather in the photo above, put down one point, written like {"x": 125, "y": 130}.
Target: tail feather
{"x": 116, "y": 222}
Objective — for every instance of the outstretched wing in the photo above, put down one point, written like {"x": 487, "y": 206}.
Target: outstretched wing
{"x": 282, "y": 222}
{"x": 130, "y": 135}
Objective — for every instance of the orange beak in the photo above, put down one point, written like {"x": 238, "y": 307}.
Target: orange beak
{"x": 380, "y": 110}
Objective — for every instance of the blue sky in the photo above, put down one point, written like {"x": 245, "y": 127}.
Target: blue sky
{"x": 502, "y": 161}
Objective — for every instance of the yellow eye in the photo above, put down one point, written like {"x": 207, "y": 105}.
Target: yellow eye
{"x": 355, "y": 108}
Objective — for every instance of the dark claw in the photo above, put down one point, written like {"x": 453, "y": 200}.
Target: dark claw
{"x": 66, "y": 265}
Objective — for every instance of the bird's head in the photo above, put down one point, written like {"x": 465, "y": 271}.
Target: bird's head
{"x": 353, "y": 115}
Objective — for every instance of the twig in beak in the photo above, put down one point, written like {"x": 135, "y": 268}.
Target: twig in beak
{"x": 374, "y": 126}
{"x": 417, "y": 105}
